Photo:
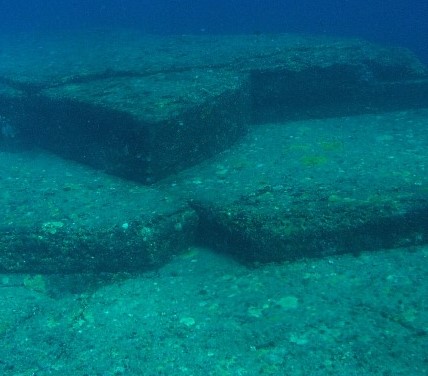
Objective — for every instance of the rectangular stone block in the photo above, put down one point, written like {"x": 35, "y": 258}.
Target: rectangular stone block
{"x": 59, "y": 217}
{"x": 144, "y": 107}
{"x": 315, "y": 188}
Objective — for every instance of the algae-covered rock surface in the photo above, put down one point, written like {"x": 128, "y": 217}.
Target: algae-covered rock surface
{"x": 315, "y": 187}
{"x": 57, "y": 216}
{"x": 204, "y": 314}
{"x": 286, "y": 191}
{"x": 145, "y": 107}
{"x": 190, "y": 115}
{"x": 296, "y": 155}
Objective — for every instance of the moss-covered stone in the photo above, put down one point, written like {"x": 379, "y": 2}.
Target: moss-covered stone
{"x": 366, "y": 190}
{"x": 64, "y": 218}
{"x": 146, "y": 107}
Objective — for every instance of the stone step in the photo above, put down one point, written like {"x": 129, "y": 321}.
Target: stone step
{"x": 60, "y": 217}
{"x": 315, "y": 188}
{"x": 144, "y": 107}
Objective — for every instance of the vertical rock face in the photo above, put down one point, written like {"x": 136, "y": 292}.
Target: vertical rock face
{"x": 59, "y": 217}
{"x": 313, "y": 188}
{"x": 144, "y": 108}
{"x": 181, "y": 114}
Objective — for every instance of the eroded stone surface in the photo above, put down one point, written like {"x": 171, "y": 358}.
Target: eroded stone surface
{"x": 59, "y": 217}
{"x": 317, "y": 187}
{"x": 146, "y": 107}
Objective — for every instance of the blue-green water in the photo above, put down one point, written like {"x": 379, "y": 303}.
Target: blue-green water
{"x": 395, "y": 23}
{"x": 227, "y": 202}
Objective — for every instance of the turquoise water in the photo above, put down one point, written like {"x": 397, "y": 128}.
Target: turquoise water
{"x": 240, "y": 205}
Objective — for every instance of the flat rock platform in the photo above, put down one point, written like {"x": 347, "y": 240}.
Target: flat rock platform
{"x": 315, "y": 188}
{"x": 60, "y": 217}
{"x": 145, "y": 107}
{"x": 119, "y": 150}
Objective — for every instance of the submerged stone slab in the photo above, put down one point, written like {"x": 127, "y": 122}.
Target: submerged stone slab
{"x": 315, "y": 188}
{"x": 146, "y": 107}
{"x": 59, "y": 217}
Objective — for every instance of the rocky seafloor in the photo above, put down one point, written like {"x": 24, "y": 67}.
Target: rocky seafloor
{"x": 205, "y": 314}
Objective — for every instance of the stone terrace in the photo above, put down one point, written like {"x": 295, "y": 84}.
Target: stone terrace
{"x": 130, "y": 104}
{"x": 269, "y": 147}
